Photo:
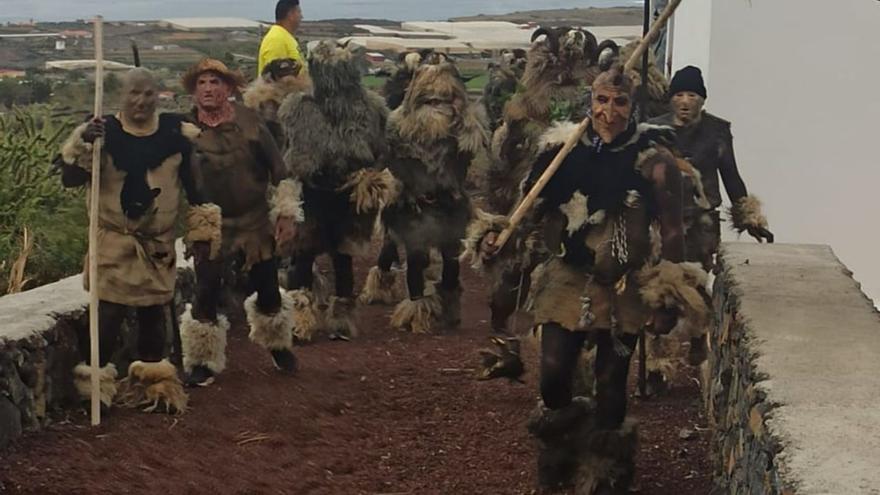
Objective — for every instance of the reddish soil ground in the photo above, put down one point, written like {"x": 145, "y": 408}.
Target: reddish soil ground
{"x": 388, "y": 413}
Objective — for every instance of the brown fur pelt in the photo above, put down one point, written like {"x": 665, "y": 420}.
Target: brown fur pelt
{"x": 285, "y": 200}
{"x": 204, "y": 224}
{"x": 417, "y": 316}
{"x": 381, "y": 288}
{"x": 82, "y": 380}
{"x": 340, "y": 317}
{"x": 306, "y": 315}
{"x": 747, "y": 214}
{"x": 658, "y": 85}
{"x": 608, "y": 460}
{"x": 75, "y": 151}
{"x": 372, "y": 190}
{"x": 481, "y": 224}
{"x": 263, "y": 92}
{"x": 153, "y": 384}
{"x": 664, "y": 354}
{"x": 680, "y": 286}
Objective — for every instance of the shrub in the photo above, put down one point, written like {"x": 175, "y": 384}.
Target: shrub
{"x": 31, "y": 196}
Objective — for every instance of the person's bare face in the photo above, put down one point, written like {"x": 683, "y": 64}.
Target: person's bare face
{"x": 294, "y": 18}
{"x": 211, "y": 91}
{"x": 139, "y": 98}
{"x": 611, "y": 111}
{"x": 687, "y": 107}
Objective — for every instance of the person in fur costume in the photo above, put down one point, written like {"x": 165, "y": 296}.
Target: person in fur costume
{"x": 560, "y": 66}
{"x": 707, "y": 143}
{"x": 504, "y": 78}
{"x": 145, "y": 167}
{"x": 593, "y": 223}
{"x": 432, "y": 139}
{"x": 238, "y": 166}
{"x": 280, "y": 78}
{"x": 335, "y": 140}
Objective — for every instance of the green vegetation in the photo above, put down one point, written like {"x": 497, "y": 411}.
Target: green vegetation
{"x": 31, "y": 196}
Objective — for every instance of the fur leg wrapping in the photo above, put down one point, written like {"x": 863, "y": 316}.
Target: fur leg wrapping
{"x": 285, "y": 200}
{"x": 380, "y": 288}
{"x": 372, "y": 190}
{"x": 418, "y": 316}
{"x": 339, "y": 319}
{"x": 558, "y": 433}
{"x": 607, "y": 464}
{"x": 75, "y": 151}
{"x": 481, "y": 224}
{"x": 746, "y": 214}
{"x": 153, "y": 384}
{"x": 272, "y": 332}
{"x": 82, "y": 380}
{"x": 450, "y": 301}
{"x": 204, "y": 223}
{"x": 203, "y": 343}
{"x": 306, "y": 315}
{"x": 680, "y": 286}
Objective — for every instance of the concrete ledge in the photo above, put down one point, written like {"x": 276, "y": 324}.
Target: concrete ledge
{"x": 794, "y": 386}
{"x": 43, "y": 335}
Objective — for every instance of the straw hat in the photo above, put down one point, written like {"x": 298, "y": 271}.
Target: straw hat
{"x": 234, "y": 78}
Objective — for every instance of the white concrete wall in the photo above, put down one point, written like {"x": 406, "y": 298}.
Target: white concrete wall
{"x": 799, "y": 81}
{"x": 692, "y": 34}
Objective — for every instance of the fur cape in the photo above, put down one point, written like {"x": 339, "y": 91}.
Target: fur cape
{"x": 679, "y": 286}
{"x": 333, "y": 134}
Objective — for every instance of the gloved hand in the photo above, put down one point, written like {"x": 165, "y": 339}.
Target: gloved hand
{"x": 94, "y": 130}
{"x": 505, "y": 363}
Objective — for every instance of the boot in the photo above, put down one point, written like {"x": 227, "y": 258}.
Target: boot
{"x": 558, "y": 433}
{"x": 450, "y": 301}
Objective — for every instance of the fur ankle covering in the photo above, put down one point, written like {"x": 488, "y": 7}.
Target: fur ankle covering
{"x": 339, "y": 319}
{"x": 608, "y": 463}
{"x": 380, "y": 288}
{"x": 75, "y": 151}
{"x": 680, "y": 286}
{"x": 372, "y": 190}
{"x": 82, "y": 380}
{"x": 204, "y": 223}
{"x": 272, "y": 332}
{"x": 481, "y": 224}
{"x": 153, "y": 384}
{"x": 747, "y": 214}
{"x": 203, "y": 343}
{"x": 285, "y": 200}
{"x": 306, "y": 314}
{"x": 417, "y": 316}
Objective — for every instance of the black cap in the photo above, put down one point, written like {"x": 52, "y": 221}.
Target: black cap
{"x": 688, "y": 79}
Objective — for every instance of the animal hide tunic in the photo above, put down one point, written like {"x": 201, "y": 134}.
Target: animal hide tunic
{"x": 141, "y": 181}
{"x": 234, "y": 165}
{"x": 594, "y": 216}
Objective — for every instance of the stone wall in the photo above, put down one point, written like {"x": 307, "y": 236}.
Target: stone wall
{"x": 43, "y": 335}
{"x": 793, "y": 386}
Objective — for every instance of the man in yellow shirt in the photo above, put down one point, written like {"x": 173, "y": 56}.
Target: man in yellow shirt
{"x": 279, "y": 41}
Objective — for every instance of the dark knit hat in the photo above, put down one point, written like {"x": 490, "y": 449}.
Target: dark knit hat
{"x": 688, "y": 79}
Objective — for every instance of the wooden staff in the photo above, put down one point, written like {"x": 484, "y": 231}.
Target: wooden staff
{"x": 529, "y": 201}
{"x": 93, "y": 225}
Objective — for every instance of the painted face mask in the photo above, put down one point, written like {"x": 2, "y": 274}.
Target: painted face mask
{"x": 212, "y": 92}
{"x": 687, "y": 107}
{"x": 140, "y": 98}
{"x": 611, "y": 104}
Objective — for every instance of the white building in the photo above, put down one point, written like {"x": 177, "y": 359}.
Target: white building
{"x": 798, "y": 79}
{"x": 208, "y": 23}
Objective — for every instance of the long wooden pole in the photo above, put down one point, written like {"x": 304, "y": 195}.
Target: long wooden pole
{"x": 643, "y": 104}
{"x": 529, "y": 201}
{"x": 93, "y": 225}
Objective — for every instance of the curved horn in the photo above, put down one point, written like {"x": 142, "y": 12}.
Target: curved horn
{"x": 591, "y": 47}
{"x": 605, "y": 62}
{"x": 539, "y": 32}
{"x": 344, "y": 44}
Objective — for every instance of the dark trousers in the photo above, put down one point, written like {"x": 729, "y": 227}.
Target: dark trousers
{"x": 151, "y": 331}
{"x": 262, "y": 279}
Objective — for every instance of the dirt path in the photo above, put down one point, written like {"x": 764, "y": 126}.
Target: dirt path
{"x": 389, "y": 413}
